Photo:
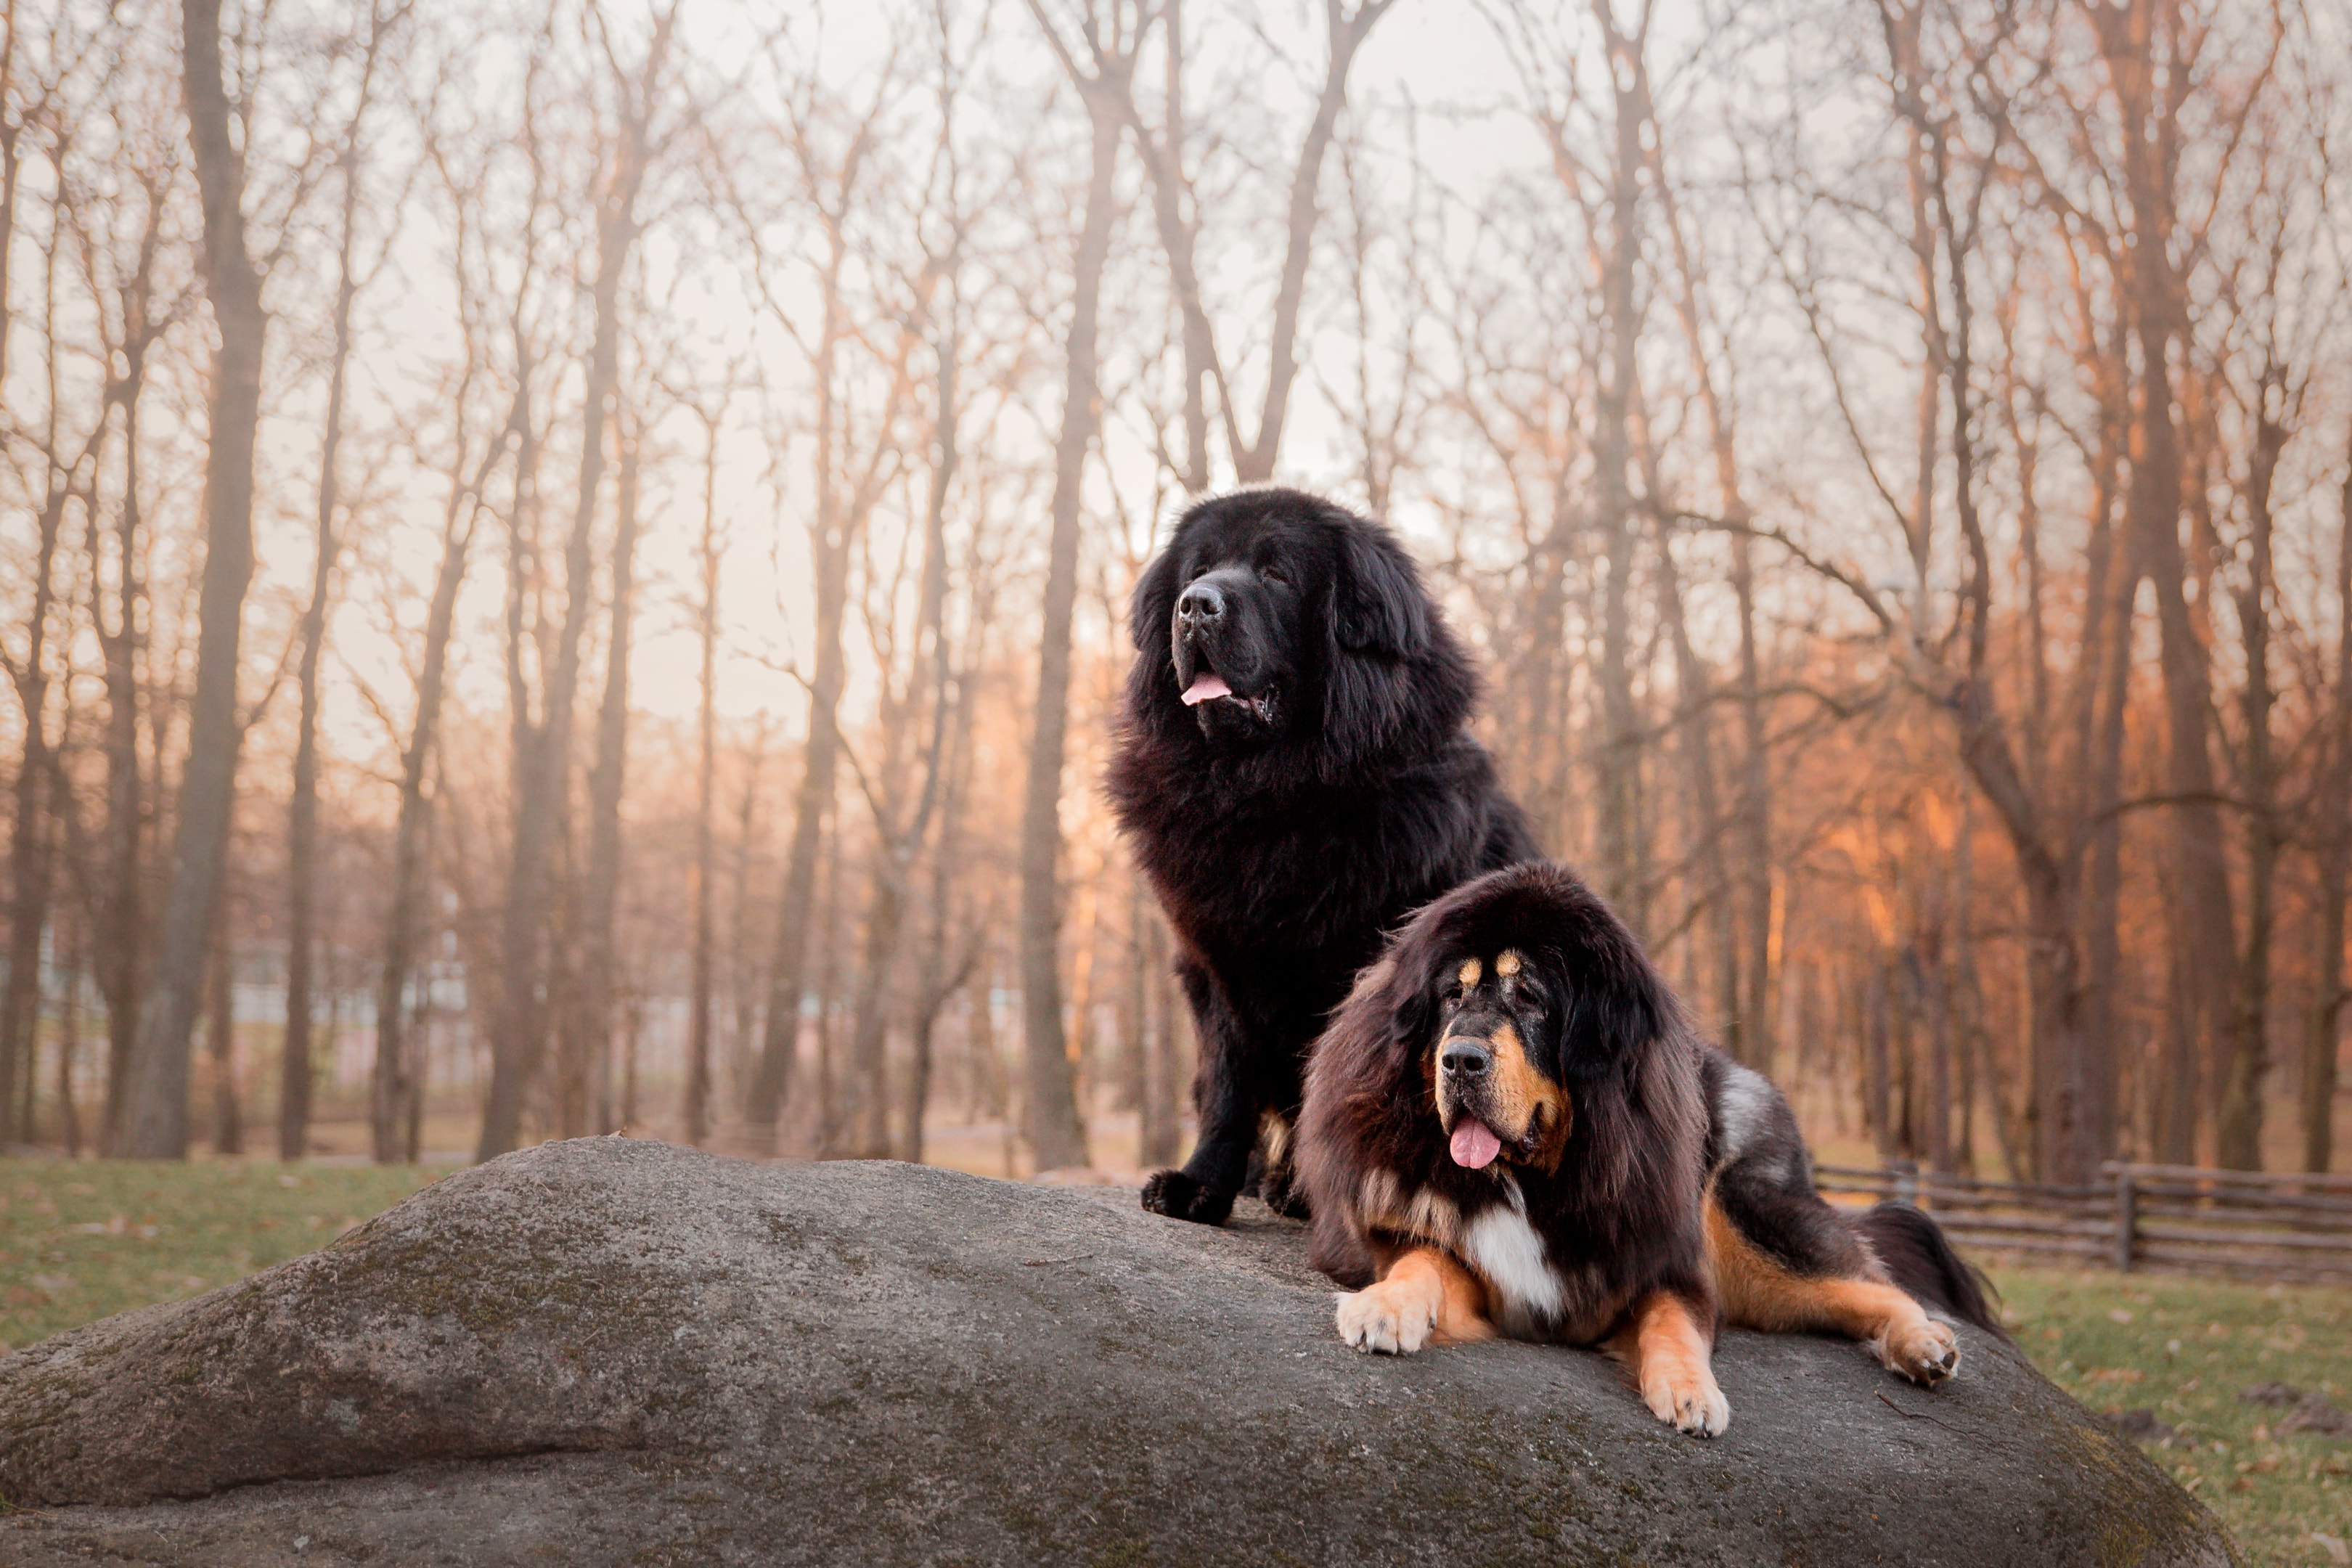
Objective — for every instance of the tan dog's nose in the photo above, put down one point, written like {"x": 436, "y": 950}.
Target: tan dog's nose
{"x": 1465, "y": 1059}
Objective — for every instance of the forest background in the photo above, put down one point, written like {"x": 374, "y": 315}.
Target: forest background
{"x": 562, "y": 565}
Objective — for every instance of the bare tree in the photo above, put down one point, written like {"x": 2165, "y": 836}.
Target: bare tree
{"x": 710, "y": 551}
{"x": 2150, "y": 49}
{"x": 1165, "y": 156}
{"x": 394, "y": 1082}
{"x": 543, "y": 761}
{"x": 1057, "y": 1136}
{"x": 580, "y": 1097}
{"x": 2275, "y": 414}
{"x": 848, "y": 485}
{"x": 154, "y": 1123}
{"x": 2332, "y": 787}
{"x": 302, "y": 829}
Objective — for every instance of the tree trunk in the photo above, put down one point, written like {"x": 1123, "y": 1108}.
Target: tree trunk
{"x": 294, "y": 1065}
{"x": 1696, "y": 742}
{"x": 742, "y": 967}
{"x": 2106, "y": 700}
{"x": 1747, "y": 1027}
{"x": 830, "y": 545}
{"x": 1623, "y": 839}
{"x": 2132, "y": 38}
{"x": 542, "y": 768}
{"x": 1057, "y": 1136}
{"x": 228, "y": 1117}
{"x": 412, "y": 831}
{"x": 2241, "y": 1123}
{"x": 155, "y": 1106}
{"x": 938, "y": 982}
{"x": 696, "y": 1112}
{"x": 303, "y": 831}
{"x": 31, "y": 841}
{"x": 779, "y": 1037}
{"x": 68, "y": 1042}
{"x": 119, "y": 933}
{"x": 591, "y": 1031}
{"x": 2328, "y": 990}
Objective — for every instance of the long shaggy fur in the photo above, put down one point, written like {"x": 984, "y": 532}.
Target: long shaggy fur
{"x": 1918, "y": 1256}
{"x": 1620, "y": 1216}
{"x": 1681, "y": 1172}
{"x": 1282, "y": 848}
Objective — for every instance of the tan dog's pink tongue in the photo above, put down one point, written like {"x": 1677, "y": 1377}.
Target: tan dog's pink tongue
{"x": 1474, "y": 1145}
{"x": 1204, "y": 686}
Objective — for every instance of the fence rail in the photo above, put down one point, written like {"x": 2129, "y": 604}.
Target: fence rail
{"x": 2179, "y": 1218}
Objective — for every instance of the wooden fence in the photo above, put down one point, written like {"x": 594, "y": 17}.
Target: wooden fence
{"x": 2178, "y": 1218}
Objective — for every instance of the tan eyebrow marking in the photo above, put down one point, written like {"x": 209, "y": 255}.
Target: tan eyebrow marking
{"x": 1508, "y": 963}
{"x": 1469, "y": 973}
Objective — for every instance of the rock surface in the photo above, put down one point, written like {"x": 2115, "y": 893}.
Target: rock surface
{"x": 610, "y": 1351}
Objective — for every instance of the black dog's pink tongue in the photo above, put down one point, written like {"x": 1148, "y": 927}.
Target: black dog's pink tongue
{"x": 1204, "y": 686}
{"x": 1474, "y": 1145}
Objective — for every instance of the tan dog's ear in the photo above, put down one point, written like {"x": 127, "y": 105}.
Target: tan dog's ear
{"x": 1616, "y": 1004}
{"x": 1415, "y": 977}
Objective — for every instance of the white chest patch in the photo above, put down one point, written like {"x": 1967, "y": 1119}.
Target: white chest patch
{"x": 1509, "y": 1255}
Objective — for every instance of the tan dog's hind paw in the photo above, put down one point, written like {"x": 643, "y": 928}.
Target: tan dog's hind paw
{"x": 1925, "y": 1352}
{"x": 1387, "y": 1318}
{"x": 1687, "y": 1399}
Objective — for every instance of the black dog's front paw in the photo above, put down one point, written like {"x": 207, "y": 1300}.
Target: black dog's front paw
{"x": 1179, "y": 1197}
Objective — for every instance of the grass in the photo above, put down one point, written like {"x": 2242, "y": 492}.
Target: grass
{"x": 2185, "y": 1349}
{"x": 82, "y": 1240}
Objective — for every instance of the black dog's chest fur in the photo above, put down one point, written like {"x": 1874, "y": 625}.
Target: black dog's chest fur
{"x": 1295, "y": 875}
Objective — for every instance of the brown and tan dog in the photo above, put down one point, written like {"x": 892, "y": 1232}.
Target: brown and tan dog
{"x": 1509, "y": 1127}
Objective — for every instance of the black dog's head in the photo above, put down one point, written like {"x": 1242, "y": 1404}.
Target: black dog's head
{"x": 1284, "y": 617}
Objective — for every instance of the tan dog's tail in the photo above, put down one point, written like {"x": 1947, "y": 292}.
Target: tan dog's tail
{"x": 1920, "y": 1257}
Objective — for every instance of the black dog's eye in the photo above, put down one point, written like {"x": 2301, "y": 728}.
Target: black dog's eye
{"x": 1274, "y": 573}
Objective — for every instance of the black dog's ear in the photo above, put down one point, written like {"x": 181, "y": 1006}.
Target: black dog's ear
{"x": 1377, "y": 605}
{"x": 1154, "y": 602}
{"x": 1617, "y": 1004}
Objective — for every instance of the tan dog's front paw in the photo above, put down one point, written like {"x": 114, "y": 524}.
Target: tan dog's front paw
{"x": 1688, "y": 1398}
{"x": 1925, "y": 1352}
{"x": 1385, "y": 1318}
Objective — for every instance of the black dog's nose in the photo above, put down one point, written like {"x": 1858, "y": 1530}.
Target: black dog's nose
{"x": 1465, "y": 1059}
{"x": 1200, "y": 603}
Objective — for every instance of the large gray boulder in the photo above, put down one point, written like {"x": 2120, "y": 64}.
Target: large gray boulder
{"x": 609, "y": 1351}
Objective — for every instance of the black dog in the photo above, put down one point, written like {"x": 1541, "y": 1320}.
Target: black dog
{"x": 1294, "y": 774}
{"x": 1510, "y": 1126}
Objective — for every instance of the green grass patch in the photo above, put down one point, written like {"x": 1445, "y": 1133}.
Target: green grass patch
{"x": 2185, "y": 1350}
{"x": 82, "y": 1240}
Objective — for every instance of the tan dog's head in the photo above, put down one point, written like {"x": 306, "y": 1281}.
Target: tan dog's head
{"x": 1524, "y": 997}
{"x": 1493, "y": 1094}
